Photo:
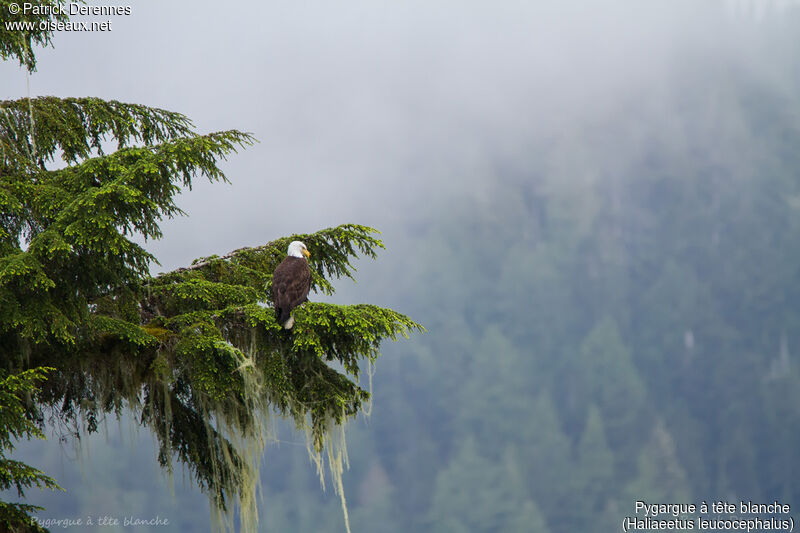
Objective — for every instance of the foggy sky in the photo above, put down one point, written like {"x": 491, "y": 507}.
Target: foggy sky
{"x": 382, "y": 112}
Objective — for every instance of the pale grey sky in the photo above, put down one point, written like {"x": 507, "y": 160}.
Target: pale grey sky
{"x": 380, "y": 112}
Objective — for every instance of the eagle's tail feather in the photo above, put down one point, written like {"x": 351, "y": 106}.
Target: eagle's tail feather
{"x": 284, "y": 317}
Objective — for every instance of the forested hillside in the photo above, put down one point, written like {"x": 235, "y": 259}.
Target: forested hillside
{"x": 628, "y": 333}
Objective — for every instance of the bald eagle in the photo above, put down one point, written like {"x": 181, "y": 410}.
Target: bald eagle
{"x": 291, "y": 283}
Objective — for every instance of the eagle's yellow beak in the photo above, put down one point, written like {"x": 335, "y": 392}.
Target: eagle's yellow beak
{"x": 306, "y": 253}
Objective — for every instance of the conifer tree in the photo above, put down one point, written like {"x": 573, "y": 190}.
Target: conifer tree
{"x": 660, "y": 476}
{"x": 546, "y": 460}
{"x": 476, "y": 494}
{"x": 595, "y": 462}
{"x": 196, "y": 352}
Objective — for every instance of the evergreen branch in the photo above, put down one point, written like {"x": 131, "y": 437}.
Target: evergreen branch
{"x": 348, "y": 333}
{"x": 79, "y": 126}
{"x": 14, "y": 423}
{"x": 15, "y": 518}
{"x": 21, "y": 476}
{"x": 19, "y": 42}
{"x": 78, "y": 222}
{"x": 332, "y": 250}
{"x": 132, "y": 189}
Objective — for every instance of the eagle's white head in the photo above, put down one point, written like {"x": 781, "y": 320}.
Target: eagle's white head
{"x": 298, "y": 249}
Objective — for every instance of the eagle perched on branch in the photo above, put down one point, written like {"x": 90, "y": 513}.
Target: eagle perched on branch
{"x": 291, "y": 283}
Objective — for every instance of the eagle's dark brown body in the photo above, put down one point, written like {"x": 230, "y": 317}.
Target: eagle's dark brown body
{"x": 290, "y": 285}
